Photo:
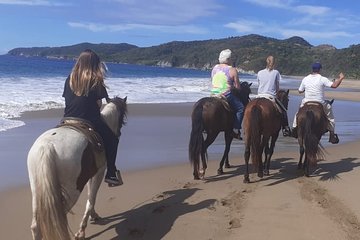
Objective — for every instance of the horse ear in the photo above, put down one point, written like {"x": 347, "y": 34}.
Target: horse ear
{"x": 250, "y": 84}
{"x": 125, "y": 98}
{"x": 287, "y": 92}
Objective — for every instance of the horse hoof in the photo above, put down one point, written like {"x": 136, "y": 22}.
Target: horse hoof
{"x": 266, "y": 173}
{"x": 80, "y": 235}
{"x": 260, "y": 174}
{"x": 95, "y": 219}
{"x": 227, "y": 165}
{"x": 246, "y": 180}
{"x": 220, "y": 171}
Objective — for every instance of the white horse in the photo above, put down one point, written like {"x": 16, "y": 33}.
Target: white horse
{"x": 60, "y": 163}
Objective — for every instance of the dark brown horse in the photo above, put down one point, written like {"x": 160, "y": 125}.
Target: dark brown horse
{"x": 262, "y": 123}
{"x": 213, "y": 115}
{"x": 312, "y": 123}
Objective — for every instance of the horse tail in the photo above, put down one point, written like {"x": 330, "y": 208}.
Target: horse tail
{"x": 196, "y": 137}
{"x": 255, "y": 135}
{"x": 50, "y": 204}
{"x": 311, "y": 141}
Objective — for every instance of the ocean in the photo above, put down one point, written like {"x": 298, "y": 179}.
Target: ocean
{"x": 36, "y": 83}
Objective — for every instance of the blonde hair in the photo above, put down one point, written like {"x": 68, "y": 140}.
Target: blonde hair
{"x": 270, "y": 62}
{"x": 87, "y": 73}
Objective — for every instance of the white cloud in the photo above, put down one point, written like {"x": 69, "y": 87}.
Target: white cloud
{"x": 96, "y": 27}
{"x": 312, "y": 10}
{"x": 245, "y": 26}
{"x": 271, "y": 3}
{"x": 251, "y": 26}
{"x": 31, "y": 2}
{"x": 158, "y": 11}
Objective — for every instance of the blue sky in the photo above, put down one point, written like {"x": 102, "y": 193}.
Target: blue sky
{"x": 39, "y": 23}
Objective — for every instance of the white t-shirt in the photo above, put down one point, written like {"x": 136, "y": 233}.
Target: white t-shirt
{"x": 268, "y": 82}
{"x": 314, "y": 85}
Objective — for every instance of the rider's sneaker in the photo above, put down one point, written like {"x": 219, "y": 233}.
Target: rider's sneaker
{"x": 334, "y": 139}
{"x": 286, "y": 131}
{"x": 237, "y": 135}
{"x": 112, "y": 181}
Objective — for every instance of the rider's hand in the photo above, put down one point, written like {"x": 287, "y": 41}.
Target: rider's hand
{"x": 341, "y": 76}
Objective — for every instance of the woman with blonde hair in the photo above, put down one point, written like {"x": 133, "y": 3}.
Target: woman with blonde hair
{"x": 83, "y": 92}
{"x": 269, "y": 84}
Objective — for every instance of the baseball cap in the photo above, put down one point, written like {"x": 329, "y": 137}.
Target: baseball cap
{"x": 316, "y": 66}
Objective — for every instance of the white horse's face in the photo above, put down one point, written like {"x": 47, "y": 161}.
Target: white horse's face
{"x": 114, "y": 113}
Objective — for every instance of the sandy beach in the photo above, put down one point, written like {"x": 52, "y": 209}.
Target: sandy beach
{"x": 164, "y": 202}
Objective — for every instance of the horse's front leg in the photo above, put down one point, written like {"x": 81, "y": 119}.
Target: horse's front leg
{"x": 225, "y": 158}
{"x": 93, "y": 187}
{"x": 267, "y": 160}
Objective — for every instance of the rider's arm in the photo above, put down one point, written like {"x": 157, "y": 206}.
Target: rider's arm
{"x": 99, "y": 102}
{"x": 338, "y": 81}
{"x": 234, "y": 74}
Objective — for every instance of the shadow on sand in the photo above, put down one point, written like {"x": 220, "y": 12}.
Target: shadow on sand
{"x": 153, "y": 220}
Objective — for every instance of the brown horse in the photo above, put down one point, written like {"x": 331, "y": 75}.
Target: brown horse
{"x": 212, "y": 115}
{"x": 262, "y": 123}
{"x": 312, "y": 123}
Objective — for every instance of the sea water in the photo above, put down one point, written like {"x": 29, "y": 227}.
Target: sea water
{"x": 36, "y": 83}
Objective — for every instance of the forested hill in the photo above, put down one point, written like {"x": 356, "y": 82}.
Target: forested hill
{"x": 294, "y": 55}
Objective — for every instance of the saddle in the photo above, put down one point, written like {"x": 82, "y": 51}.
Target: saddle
{"x": 276, "y": 102}
{"x": 86, "y": 128}
{"x": 224, "y": 102}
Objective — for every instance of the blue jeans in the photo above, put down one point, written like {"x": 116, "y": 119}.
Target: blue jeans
{"x": 238, "y": 107}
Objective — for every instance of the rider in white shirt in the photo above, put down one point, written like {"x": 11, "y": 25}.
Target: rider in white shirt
{"x": 314, "y": 86}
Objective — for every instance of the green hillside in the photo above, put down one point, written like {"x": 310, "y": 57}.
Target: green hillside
{"x": 294, "y": 55}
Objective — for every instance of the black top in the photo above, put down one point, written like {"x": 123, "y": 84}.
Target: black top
{"x": 84, "y": 107}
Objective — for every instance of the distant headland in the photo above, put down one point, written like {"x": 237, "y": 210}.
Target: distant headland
{"x": 294, "y": 55}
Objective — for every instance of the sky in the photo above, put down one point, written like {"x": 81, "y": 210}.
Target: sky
{"x": 144, "y": 23}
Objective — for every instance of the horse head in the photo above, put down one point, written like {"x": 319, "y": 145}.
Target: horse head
{"x": 116, "y": 116}
{"x": 243, "y": 93}
{"x": 283, "y": 97}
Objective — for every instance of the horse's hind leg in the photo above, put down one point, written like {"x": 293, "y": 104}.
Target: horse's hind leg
{"x": 210, "y": 138}
{"x": 93, "y": 187}
{"x": 302, "y": 150}
{"x": 35, "y": 230}
{"x": 247, "y": 157}
{"x": 225, "y": 158}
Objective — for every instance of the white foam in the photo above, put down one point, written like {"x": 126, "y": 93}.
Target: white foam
{"x": 20, "y": 94}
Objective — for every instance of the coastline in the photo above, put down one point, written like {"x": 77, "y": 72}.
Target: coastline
{"x": 164, "y": 202}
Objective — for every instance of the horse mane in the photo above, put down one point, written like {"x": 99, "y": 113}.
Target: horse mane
{"x": 283, "y": 96}
{"x": 243, "y": 93}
